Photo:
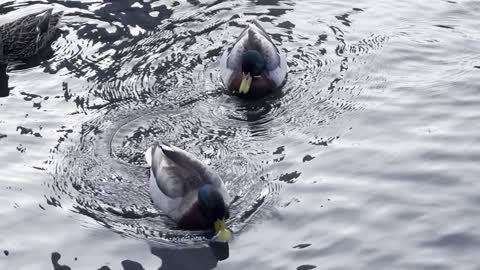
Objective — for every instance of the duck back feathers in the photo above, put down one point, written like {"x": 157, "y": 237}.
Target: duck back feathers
{"x": 177, "y": 171}
{"x": 254, "y": 37}
{"x": 28, "y": 35}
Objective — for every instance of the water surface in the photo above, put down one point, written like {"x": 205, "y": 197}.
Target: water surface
{"x": 367, "y": 159}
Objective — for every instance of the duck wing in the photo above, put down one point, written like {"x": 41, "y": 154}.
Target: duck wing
{"x": 178, "y": 172}
{"x": 264, "y": 33}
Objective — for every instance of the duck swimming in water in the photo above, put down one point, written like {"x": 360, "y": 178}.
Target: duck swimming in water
{"x": 253, "y": 66}
{"x": 24, "y": 38}
{"x": 187, "y": 190}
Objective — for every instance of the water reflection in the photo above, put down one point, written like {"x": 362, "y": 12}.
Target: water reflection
{"x": 190, "y": 258}
{"x": 257, "y": 114}
{"x": 162, "y": 59}
{"x": 105, "y": 172}
{"x": 126, "y": 54}
{"x": 131, "y": 265}
{"x": 55, "y": 261}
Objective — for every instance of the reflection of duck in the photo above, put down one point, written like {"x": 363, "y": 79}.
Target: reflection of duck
{"x": 187, "y": 190}
{"x": 28, "y": 35}
{"x": 254, "y": 66}
{"x": 186, "y": 258}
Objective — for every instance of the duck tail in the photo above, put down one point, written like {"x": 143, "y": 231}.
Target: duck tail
{"x": 148, "y": 156}
{"x": 151, "y": 151}
{"x": 48, "y": 23}
{"x": 44, "y": 22}
{"x": 55, "y": 21}
{"x": 42, "y": 26}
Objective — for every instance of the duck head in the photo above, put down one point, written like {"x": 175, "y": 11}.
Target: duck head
{"x": 213, "y": 207}
{"x": 253, "y": 64}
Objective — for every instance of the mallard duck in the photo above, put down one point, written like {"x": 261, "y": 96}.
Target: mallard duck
{"x": 187, "y": 190}
{"x": 28, "y": 35}
{"x": 253, "y": 66}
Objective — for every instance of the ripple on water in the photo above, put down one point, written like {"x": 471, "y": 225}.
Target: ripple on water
{"x": 104, "y": 176}
{"x": 161, "y": 82}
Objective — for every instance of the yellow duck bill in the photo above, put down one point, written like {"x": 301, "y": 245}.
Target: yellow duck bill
{"x": 222, "y": 234}
{"x": 246, "y": 83}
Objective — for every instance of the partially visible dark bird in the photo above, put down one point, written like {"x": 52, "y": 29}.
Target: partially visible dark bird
{"x": 24, "y": 38}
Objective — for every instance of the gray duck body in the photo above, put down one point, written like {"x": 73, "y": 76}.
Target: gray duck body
{"x": 175, "y": 179}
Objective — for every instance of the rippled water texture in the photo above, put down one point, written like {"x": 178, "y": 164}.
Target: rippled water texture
{"x": 367, "y": 158}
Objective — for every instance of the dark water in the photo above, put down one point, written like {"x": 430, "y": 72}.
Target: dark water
{"x": 368, "y": 159}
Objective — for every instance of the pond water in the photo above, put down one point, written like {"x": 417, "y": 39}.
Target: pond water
{"x": 367, "y": 159}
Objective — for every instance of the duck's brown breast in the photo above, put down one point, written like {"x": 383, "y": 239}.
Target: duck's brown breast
{"x": 261, "y": 85}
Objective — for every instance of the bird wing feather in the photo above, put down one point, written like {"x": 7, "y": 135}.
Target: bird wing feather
{"x": 178, "y": 172}
{"x": 254, "y": 37}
